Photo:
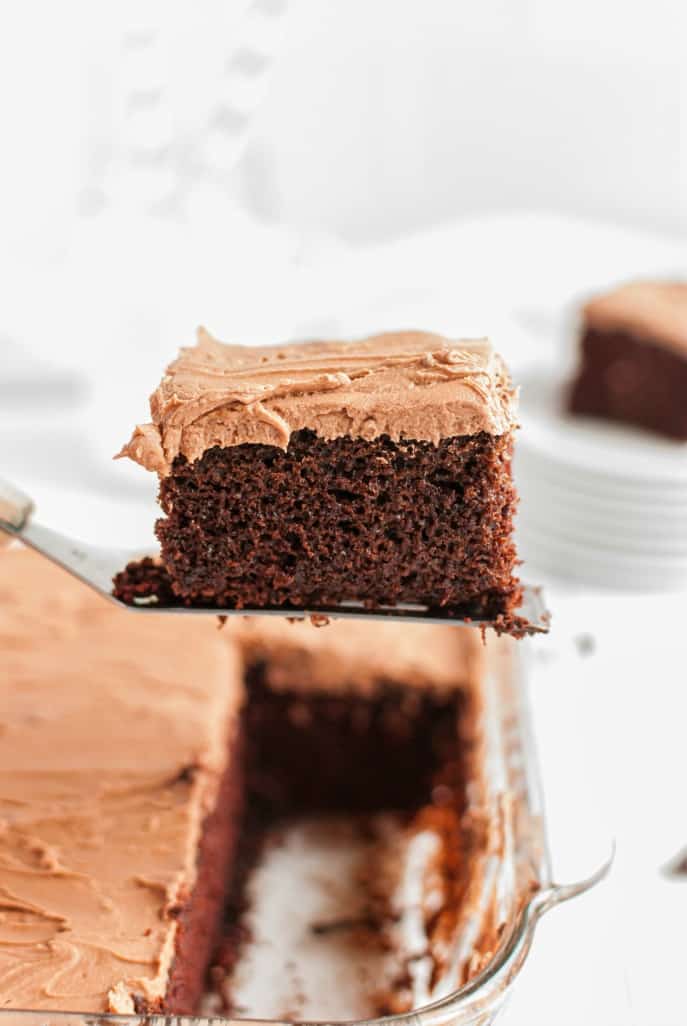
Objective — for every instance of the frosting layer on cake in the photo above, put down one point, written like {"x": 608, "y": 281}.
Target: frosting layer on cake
{"x": 407, "y": 385}
{"x": 114, "y": 733}
{"x": 353, "y": 656}
{"x": 652, "y": 310}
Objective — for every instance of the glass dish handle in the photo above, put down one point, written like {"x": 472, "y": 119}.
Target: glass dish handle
{"x": 556, "y": 894}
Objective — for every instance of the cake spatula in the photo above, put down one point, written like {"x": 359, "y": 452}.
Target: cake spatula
{"x": 97, "y": 567}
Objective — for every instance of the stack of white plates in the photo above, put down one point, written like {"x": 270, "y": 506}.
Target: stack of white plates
{"x": 600, "y": 503}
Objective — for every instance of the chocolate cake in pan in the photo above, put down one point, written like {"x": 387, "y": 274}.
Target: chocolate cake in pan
{"x": 144, "y": 760}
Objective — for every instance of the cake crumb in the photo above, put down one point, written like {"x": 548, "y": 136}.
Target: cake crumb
{"x": 585, "y": 643}
{"x": 677, "y": 867}
{"x": 319, "y": 620}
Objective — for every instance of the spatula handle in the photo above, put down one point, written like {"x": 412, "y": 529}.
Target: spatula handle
{"x": 15, "y": 508}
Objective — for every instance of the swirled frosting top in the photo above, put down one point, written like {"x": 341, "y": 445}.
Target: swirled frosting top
{"x": 655, "y": 311}
{"x": 114, "y": 733}
{"x": 407, "y": 385}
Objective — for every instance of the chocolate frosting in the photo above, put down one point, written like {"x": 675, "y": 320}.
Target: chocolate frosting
{"x": 114, "y": 732}
{"x": 349, "y": 655}
{"x": 410, "y": 385}
{"x": 655, "y": 311}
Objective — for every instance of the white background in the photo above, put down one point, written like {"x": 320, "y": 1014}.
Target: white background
{"x": 377, "y": 117}
{"x": 468, "y": 168}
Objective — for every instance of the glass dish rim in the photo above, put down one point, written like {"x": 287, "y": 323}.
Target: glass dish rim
{"x": 486, "y": 988}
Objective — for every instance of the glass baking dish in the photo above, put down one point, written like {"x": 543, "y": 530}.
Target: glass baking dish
{"x": 511, "y": 879}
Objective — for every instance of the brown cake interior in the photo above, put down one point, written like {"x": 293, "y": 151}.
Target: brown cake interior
{"x": 632, "y": 380}
{"x": 322, "y": 522}
{"x": 347, "y": 754}
{"x": 201, "y": 918}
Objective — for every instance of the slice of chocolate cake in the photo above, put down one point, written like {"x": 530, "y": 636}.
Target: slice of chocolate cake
{"x": 312, "y": 474}
{"x": 120, "y": 790}
{"x": 634, "y": 357}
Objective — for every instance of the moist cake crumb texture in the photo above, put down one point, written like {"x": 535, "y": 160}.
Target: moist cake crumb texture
{"x": 324, "y": 522}
{"x": 311, "y": 474}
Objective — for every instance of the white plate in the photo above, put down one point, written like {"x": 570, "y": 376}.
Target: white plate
{"x": 537, "y": 494}
{"x": 576, "y": 548}
{"x": 613, "y": 452}
{"x": 589, "y": 484}
{"x": 538, "y": 497}
{"x": 546, "y": 524}
{"x": 590, "y": 566}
